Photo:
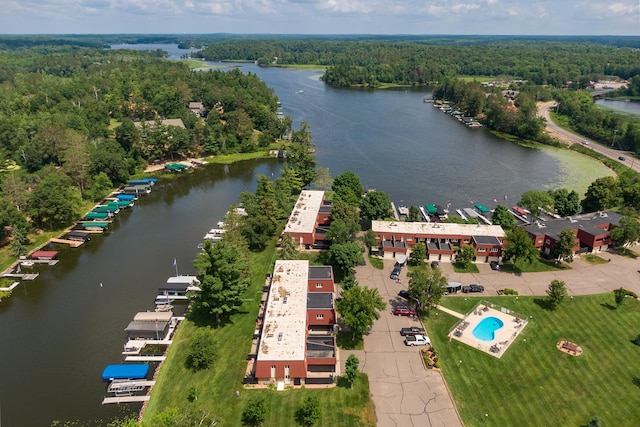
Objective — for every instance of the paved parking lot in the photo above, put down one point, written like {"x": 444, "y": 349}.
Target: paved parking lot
{"x": 404, "y": 393}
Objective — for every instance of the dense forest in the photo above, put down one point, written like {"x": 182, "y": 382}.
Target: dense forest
{"x": 75, "y": 122}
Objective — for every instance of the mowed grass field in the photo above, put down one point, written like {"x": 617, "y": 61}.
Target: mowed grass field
{"x": 534, "y": 384}
{"x": 215, "y": 387}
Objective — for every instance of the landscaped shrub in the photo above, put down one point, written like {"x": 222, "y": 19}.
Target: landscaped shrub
{"x": 202, "y": 350}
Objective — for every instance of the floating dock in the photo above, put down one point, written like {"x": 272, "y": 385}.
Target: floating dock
{"x": 125, "y": 399}
{"x": 72, "y": 243}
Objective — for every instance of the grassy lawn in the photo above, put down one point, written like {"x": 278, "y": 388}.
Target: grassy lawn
{"x": 593, "y": 259}
{"x": 215, "y": 387}
{"x": 534, "y": 267}
{"x": 534, "y": 384}
{"x": 461, "y": 268}
{"x": 376, "y": 262}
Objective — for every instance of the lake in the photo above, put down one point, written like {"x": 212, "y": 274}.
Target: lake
{"x": 59, "y": 331}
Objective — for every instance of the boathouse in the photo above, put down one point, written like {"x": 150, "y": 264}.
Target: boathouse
{"x": 441, "y": 239}
{"x": 309, "y": 220}
{"x": 296, "y": 345}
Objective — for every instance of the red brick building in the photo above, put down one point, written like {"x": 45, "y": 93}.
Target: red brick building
{"x": 592, "y": 230}
{"x": 441, "y": 239}
{"x": 309, "y": 220}
{"x": 296, "y": 344}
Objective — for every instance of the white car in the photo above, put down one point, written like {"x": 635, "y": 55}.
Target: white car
{"x": 417, "y": 340}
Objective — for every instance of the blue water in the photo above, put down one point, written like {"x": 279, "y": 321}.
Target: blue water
{"x": 486, "y": 329}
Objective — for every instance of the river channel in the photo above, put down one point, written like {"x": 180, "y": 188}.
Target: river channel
{"x": 58, "y": 332}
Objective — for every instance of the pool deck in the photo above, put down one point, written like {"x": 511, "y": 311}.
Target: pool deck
{"x": 504, "y": 336}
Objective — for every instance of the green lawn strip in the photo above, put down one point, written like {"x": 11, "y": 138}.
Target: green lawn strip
{"x": 216, "y": 386}
{"x": 534, "y": 383}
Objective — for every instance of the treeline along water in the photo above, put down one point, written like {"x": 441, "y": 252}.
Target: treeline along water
{"x": 58, "y": 332}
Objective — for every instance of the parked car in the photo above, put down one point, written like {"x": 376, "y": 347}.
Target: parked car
{"x": 404, "y": 294}
{"x": 473, "y": 288}
{"x": 495, "y": 265}
{"x": 417, "y": 340}
{"x": 403, "y": 310}
{"x": 413, "y": 330}
{"x": 395, "y": 274}
{"x": 435, "y": 264}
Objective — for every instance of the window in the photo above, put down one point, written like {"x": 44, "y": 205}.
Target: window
{"x": 319, "y": 316}
{"x": 318, "y": 285}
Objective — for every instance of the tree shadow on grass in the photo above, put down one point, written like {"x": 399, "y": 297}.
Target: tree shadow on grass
{"x": 201, "y": 318}
{"x": 607, "y": 305}
{"x": 345, "y": 341}
{"x": 544, "y": 303}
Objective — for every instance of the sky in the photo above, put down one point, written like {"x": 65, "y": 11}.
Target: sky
{"x": 501, "y": 17}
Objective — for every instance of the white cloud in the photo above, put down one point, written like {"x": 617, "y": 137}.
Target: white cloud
{"x": 322, "y": 16}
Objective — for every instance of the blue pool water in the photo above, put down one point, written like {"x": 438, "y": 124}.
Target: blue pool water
{"x": 485, "y": 330}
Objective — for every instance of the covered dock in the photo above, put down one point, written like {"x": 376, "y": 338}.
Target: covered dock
{"x": 124, "y": 371}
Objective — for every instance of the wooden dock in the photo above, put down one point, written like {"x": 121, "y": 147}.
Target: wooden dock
{"x": 125, "y": 399}
{"x": 72, "y": 243}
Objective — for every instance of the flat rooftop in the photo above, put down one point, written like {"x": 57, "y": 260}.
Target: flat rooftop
{"x": 284, "y": 330}
{"x": 437, "y": 228}
{"x": 304, "y": 213}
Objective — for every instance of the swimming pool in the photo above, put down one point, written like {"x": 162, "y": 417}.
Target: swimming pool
{"x": 485, "y": 330}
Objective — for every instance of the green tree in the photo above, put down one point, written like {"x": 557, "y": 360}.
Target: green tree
{"x": 343, "y": 210}
{"x": 504, "y": 218}
{"x": 345, "y": 256}
{"x": 254, "y": 412}
{"x": 565, "y": 202}
{"x": 223, "y": 272}
{"x": 520, "y": 247}
{"x": 309, "y": 413}
{"x": 359, "y": 307}
{"x": 466, "y": 254}
{"x": 300, "y": 154}
{"x": 201, "y": 351}
{"x": 348, "y": 188}
{"x": 619, "y": 295}
{"x": 627, "y": 233}
{"x": 323, "y": 179}
{"x": 375, "y": 205}
{"x": 414, "y": 214}
{"x": 563, "y": 249}
{"x": 351, "y": 369}
{"x": 556, "y": 291}
{"x": 426, "y": 287}
{"x": 288, "y": 248}
{"x": 534, "y": 200}
{"x": 342, "y": 231}
{"x": 603, "y": 193}
{"x": 54, "y": 201}
{"x": 418, "y": 254}
{"x": 348, "y": 283}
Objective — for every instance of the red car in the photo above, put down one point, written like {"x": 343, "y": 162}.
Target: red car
{"x": 403, "y": 310}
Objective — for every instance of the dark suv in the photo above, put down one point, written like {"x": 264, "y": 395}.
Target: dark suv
{"x": 473, "y": 288}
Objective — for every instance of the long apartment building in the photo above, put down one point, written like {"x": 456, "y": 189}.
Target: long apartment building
{"x": 441, "y": 239}
{"x": 296, "y": 342}
{"x": 309, "y": 220}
